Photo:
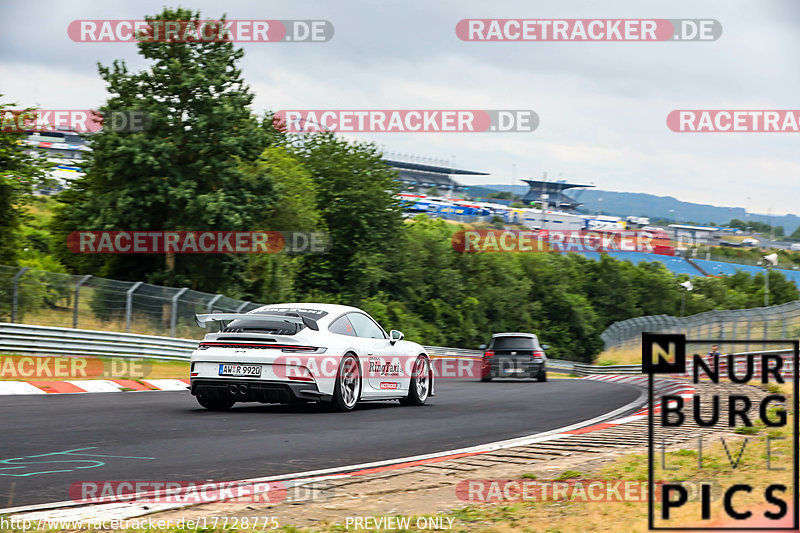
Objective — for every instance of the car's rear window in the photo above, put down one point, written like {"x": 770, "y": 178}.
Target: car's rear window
{"x": 273, "y": 327}
{"x": 513, "y": 343}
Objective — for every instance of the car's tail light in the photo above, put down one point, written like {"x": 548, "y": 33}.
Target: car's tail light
{"x": 283, "y": 347}
{"x": 487, "y": 354}
{"x": 538, "y": 357}
{"x": 300, "y": 378}
{"x": 300, "y": 349}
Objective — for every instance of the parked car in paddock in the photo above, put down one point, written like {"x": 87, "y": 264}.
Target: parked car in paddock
{"x": 301, "y": 352}
{"x": 514, "y": 355}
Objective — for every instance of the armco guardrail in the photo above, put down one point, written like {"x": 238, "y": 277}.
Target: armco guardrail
{"x": 42, "y": 340}
{"x": 582, "y": 369}
{"x": 28, "y": 339}
{"x": 443, "y": 351}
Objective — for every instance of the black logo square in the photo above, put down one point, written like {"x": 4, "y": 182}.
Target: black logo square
{"x": 663, "y": 353}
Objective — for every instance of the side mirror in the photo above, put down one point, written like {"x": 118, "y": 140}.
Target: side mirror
{"x": 395, "y": 336}
{"x": 545, "y": 346}
{"x": 482, "y": 347}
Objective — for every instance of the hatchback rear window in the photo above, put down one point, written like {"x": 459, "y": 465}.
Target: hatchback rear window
{"x": 513, "y": 343}
{"x": 276, "y": 327}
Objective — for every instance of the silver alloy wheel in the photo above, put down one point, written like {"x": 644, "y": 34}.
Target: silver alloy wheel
{"x": 422, "y": 378}
{"x": 349, "y": 381}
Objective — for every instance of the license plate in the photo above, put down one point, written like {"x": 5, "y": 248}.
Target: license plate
{"x": 240, "y": 370}
{"x": 513, "y": 370}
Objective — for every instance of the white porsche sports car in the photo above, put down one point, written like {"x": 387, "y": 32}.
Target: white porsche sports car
{"x": 299, "y": 352}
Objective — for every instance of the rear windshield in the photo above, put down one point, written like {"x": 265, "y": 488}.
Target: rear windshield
{"x": 273, "y": 327}
{"x": 513, "y": 343}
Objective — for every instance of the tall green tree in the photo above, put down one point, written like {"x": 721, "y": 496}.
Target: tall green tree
{"x": 271, "y": 277}
{"x": 355, "y": 191}
{"x": 20, "y": 172}
{"x": 182, "y": 172}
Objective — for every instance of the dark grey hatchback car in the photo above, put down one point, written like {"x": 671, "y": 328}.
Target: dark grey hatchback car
{"x": 514, "y": 355}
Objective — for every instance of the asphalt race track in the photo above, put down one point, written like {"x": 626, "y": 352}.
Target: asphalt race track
{"x": 49, "y": 442}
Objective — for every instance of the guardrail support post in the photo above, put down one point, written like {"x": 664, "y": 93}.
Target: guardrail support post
{"x": 173, "y": 319}
{"x": 239, "y": 309}
{"x": 129, "y": 305}
{"x": 15, "y": 297}
{"x": 210, "y": 306}
{"x": 81, "y": 281}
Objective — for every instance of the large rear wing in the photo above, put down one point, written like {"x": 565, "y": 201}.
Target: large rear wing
{"x": 291, "y": 318}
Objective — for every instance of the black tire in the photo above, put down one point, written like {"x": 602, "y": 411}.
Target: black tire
{"x": 486, "y": 379}
{"x": 215, "y": 404}
{"x": 347, "y": 390}
{"x": 420, "y": 388}
{"x": 542, "y": 375}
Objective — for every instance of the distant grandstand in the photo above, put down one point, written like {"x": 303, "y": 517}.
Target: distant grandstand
{"x": 421, "y": 176}
{"x": 555, "y": 192}
{"x": 65, "y": 149}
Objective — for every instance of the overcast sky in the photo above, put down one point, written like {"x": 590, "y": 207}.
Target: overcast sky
{"x": 602, "y": 106}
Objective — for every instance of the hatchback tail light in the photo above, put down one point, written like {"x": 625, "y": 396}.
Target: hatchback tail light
{"x": 487, "y": 354}
{"x": 538, "y": 357}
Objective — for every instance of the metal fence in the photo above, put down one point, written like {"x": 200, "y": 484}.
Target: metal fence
{"x": 50, "y": 299}
{"x": 759, "y": 323}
